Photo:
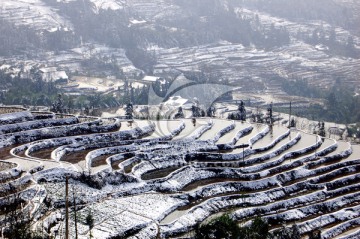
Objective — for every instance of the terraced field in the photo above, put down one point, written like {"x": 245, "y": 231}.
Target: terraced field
{"x": 236, "y": 62}
{"x": 148, "y": 179}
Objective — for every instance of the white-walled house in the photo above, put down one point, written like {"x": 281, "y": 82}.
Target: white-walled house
{"x": 52, "y": 74}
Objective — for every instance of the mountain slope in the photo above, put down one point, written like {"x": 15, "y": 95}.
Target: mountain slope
{"x": 307, "y": 39}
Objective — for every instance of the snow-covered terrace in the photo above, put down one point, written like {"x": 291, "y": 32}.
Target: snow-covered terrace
{"x": 281, "y": 171}
{"x": 298, "y": 60}
{"x": 33, "y": 13}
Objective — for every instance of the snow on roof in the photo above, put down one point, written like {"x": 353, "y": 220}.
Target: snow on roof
{"x": 51, "y": 75}
{"x": 54, "y": 29}
{"x": 137, "y": 84}
{"x": 106, "y": 5}
{"x": 161, "y": 66}
{"x": 48, "y": 69}
{"x": 129, "y": 68}
{"x": 151, "y": 78}
{"x": 177, "y": 101}
{"x": 4, "y": 67}
{"x": 135, "y": 21}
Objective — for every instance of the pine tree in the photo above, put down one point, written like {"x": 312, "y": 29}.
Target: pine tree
{"x": 89, "y": 220}
{"x": 242, "y": 111}
{"x": 295, "y": 232}
{"x": 179, "y": 114}
{"x": 222, "y": 227}
{"x": 211, "y": 111}
{"x": 129, "y": 111}
{"x": 315, "y": 235}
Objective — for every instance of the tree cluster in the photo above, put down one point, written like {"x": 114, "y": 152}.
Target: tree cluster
{"x": 341, "y": 103}
{"x": 17, "y": 220}
{"x": 329, "y": 39}
{"x": 197, "y": 111}
{"x": 16, "y": 39}
{"x": 240, "y": 114}
{"x": 25, "y": 91}
{"x": 226, "y": 227}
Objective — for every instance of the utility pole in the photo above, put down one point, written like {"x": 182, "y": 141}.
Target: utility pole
{"x": 75, "y": 217}
{"x": 243, "y": 146}
{"x": 243, "y": 155}
{"x": 67, "y": 208}
{"x": 290, "y": 115}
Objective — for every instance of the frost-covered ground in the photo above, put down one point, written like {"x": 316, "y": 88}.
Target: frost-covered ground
{"x": 231, "y": 61}
{"x": 34, "y": 13}
{"x": 162, "y": 178}
{"x": 72, "y": 60}
{"x": 293, "y": 27}
{"x": 238, "y": 63}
